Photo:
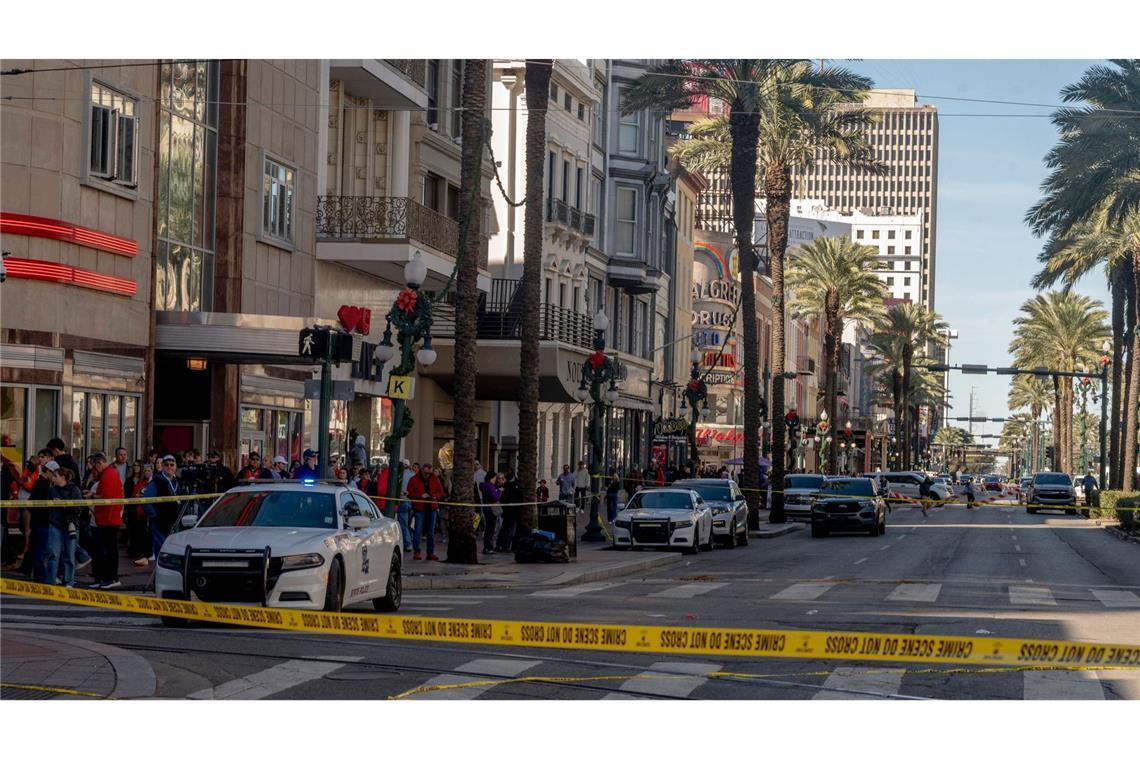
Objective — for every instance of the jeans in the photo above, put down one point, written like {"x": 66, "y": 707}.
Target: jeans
{"x": 490, "y": 527}
{"x": 581, "y": 498}
{"x": 106, "y": 553}
{"x": 61, "y": 556}
{"x": 404, "y": 515}
{"x": 157, "y": 539}
{"x": 611, "y": 505}
{"x": 425, "y": 523}
{"x": 40, "y": 552}
{"x": 507, "y": 532}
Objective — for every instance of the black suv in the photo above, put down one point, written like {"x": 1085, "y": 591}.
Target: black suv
{"x": 848, "y": 504}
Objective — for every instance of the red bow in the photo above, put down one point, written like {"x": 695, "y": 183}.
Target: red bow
{"x": 694, "y": 385}
{"x": 597, "y": 359}
{"x": 406, "y": 301}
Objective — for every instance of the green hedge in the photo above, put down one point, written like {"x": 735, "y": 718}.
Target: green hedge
{"x": 1109, "y": 501}
{"x": 1129, "y": 518}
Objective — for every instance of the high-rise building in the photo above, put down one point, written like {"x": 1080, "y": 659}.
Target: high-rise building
{"x": 905, "y": 138}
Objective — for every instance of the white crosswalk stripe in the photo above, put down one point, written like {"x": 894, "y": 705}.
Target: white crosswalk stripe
{"x": 483, "y": 669}
{"x": 584, "y": 588}
{"x": 688, "y": 590}
{"x": 1031, "y": 595}
{"x": 667, "y": 679}
{"x": 861, "y": 683}
{"x": 1062, "y": 684}
{"x": 271, "y": 680}
{"x": 915, "y": 592}
{"x": 1111, "y": 597}
{"x": 803, "y": 592}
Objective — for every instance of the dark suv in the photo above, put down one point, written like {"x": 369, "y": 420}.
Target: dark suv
{"x": 1051, "y": 490}
{"x": 848, "y": 504}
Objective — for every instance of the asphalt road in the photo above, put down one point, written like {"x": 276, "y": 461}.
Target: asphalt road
{"x": 991, "y": 571}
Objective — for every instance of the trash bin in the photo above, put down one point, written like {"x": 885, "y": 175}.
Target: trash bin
{"x": 560, "y": 518}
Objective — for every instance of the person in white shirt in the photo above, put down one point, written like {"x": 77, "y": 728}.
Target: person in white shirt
{"x": 121, "y": 465}
{"x": 480, "y": 473}
{"x": 581, "y": 486}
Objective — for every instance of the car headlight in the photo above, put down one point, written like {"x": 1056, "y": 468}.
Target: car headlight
{"x": 301, "y": 561}
{"x": 621, "y": 524}
{"x": 170, "y": 561}
{"x": 683, "y": 524}
{"x": 867, "y": 504}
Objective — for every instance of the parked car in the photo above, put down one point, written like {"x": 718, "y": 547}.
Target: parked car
{"x": 663, "y": 518}
{"x": 908, "y": 485}
{"x": 848, "y": 504}
{"x": 799, "y": 494}
{"x": 1051, "y": 490}
{"x": 729, "y": 509}
{"x": 1023, "y": 489}
{"x": 289, "y": 544}
{"x": 993, "y": 483}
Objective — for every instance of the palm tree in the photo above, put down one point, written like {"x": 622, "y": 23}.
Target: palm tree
{"x": 834, "y": 278}
{"x": 782, "y": 113}
{"x": 887, "y": 368}
{"x": 908, "y": 329}
{"x": 1096, "y": 170}
{"x": 461, "y": 545}
{"x": 948, "y": 438}
{"x": 537, "y": 98}
{"x": 1036, "y": 394}
{"x": 1059, "y": 330}
{"x": 1091, "y": 243}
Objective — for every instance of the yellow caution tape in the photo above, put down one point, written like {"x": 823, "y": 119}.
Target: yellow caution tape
{"x": 29, "y": 503}
{"x": 53, "y": 690}
{"x": 739, "y": 642}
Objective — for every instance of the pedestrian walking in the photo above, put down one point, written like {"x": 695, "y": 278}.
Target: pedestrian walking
{"x": 1088, "y": 482}
{"x": 565, "y": 483}
{"x": 491, "y": 491}
{"x": 108, "y": 521}
{"x": 425, "y": 490}
{"x": 581, "y": 486}
{"x": 613, "y": 485}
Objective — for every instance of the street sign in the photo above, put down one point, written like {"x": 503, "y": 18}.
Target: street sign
{"x": 342, "y": 390}
{"x": 401, "y": 386}
{"x": 313, "y": 343}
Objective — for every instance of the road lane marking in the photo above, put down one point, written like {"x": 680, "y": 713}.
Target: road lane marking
{"x": 915, "y": 592}
{"x": 1112, "y": 598}
{"x": 1021, "y": 562}
{"x": 860, "y": 561}
{"x": 687, "y": 591}
{"x": 1032, "y": 595}
{"x": 272, "y": 680}
{"x": 1017, "y": 547}
{"x": 584, "y": 588}
{"x": 802, "y": 592}
{"x": 1062, "y": 684}
{"x": 667, "y": 679}
{"x": 490, "y": 667}
{"x": 884, "y": 548}
{"x": 861, "y": 683}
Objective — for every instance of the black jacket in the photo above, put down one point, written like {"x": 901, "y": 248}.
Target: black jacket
{"x": 41, "y": 491}
{"x": 60, "y": 517}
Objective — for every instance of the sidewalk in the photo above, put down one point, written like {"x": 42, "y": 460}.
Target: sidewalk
{"x": 39, "y": 666}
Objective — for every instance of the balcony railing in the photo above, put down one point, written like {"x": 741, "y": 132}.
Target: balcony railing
{"x": 561, "y": 212}
{"x": 805, "y": 364}
{"x": 360, "y": 218}
{"x": 413, "y": 68}
{"x": 503, "y": 320}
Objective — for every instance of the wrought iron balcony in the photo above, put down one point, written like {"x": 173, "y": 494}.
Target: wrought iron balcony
{"x": 363, "y": 219}
{"x": 561, "y": 212}
{"x": 414, "y": 69}
{"x": 500, "y": 317}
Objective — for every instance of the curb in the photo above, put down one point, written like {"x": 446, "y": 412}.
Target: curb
{"x": 568, "y": 578}
{"x": 134, "y": 677}
{"x": 783, "y": 530}
{"x": 1121, "y": 534}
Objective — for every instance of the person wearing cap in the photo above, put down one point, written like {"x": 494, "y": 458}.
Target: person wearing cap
{"x": 542, "y": 492}
{"x": 108, "y": 521}
{"x": 253, "y": 469}
{"x": 280, "y": 467}
{"x": 41, "y": 523}
{"x": 309, "y": 470}
{"x": 162, "y": 515}
{"x": 224, "y": 479}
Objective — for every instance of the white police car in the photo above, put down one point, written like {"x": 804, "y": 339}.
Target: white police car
{"x": 664, "y": 518}
{"x": 297, "y": 544}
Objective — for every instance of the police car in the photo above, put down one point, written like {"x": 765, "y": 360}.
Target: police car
{"x": 296, "y": 544}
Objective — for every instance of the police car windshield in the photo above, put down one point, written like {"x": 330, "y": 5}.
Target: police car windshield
{"x": 709, "y": 491}
{"x": 273, "y": 509}
{"x": 660, "y": 500}
{"x": 847, "y": 487}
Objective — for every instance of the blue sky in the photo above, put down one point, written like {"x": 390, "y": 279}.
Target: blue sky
{"x": 989, "y": 172}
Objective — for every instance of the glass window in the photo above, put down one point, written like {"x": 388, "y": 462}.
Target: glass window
{"x": 113, "y": 428}
{"x": 874, "y": 234}
{"x": 629, "y": 132}
{"x": 660, "y": 500}
{"x": 130, "y": 426}
{"x": 599, "y": 136}
{"x": 13, "y": 415}
{"x": 95, "y": 422}
{"x": 858, "y": 234}
{"x": 626, "y": 222}
{"x": 456, "y": 97}
{"x": 78, "y": 425}
{"x": 581, "y": 112}
{"x": 890, "y": 250}
{"x": 250, "y": 418}
{"x": 890, "y": 234}
{"x": 890, "y": 280}
{"x": 565, "y": 180}
{"x": 566, "y": 100}
{"x": 433, "y": 92}
{"x": 46, "y": 416}
{"x": 112, "y": 138}
{"x": 278, "y": 200}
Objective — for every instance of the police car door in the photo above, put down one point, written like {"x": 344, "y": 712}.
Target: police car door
{"x": 375, "y": 556}
{"x": 351, "y": 543}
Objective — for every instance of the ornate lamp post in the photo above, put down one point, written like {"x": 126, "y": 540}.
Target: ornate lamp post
{"x": 823, "y": 441}
{"x": 696, "y": 394}
{"x": 597, "y": 370}
{"x": 1105, "y": 360}
{"x": 411, "y": 314}
{"x": 792, "y": 422}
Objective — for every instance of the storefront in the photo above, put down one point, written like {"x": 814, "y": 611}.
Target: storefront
{"x": 29, "y": 418}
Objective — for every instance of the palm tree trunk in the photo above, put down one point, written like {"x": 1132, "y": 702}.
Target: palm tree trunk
{"x": 1132, "y": 401}
{"x": 777, "y": 190}
{"x": 537, "y": 98}
{"x": 744, "y": 127}
{"x": 461, "y": 546}
{"x": 1119, "y": 297}
{"x": 897, "y": 393}
{"x": 833, "y": 340}
{"x": 1058, "y": 424}
{"x": 908, "y": 357}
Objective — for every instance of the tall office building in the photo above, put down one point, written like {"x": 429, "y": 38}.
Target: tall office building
{"x": 905, "y": 138}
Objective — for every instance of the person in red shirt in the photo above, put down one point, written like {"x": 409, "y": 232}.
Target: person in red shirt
{"x": 108, "y": 521}
{"x": 425, "y": 491}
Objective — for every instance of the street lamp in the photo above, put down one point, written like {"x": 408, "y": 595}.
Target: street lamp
{"x": 823, "y": 439}
{"x": 1105, "y": 360}
{"x": 412, "y": 316}
{"x": 696, "y": 398}
{"x": 597, "y": 370}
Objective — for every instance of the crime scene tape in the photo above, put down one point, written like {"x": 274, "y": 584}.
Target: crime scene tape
{"x": 741, "y": 642}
